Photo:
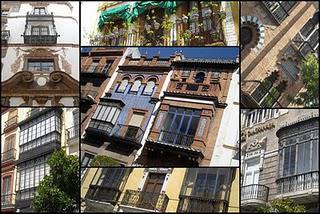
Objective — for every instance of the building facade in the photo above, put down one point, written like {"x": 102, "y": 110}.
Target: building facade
{"x": 40, "y": 53}
{"x": 30, "y": 136}
{"x": 276, "y": 38}
{"x": 161, "y": 190}
{"x": 118, "y": 124}
{"x": 152, "y": 23}
{"x": 187, "y": 123}
{"x": 279, "y": 157}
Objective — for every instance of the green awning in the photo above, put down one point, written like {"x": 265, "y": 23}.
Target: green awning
{"x": 142, "y": 6}
{"x": 122, "y": 11}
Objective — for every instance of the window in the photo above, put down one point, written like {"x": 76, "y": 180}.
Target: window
{"x": 93, "y": 66}
{"x": 39, "y": 30}
{"x": 4, "y": 12}
{"x": 135, "y": 87}
{"x": 186, "y": 72}
{"x": 180, "y": 126}
{"x": 122, "y": 87}
{"x": 39, "y": 11}
{"x": 107, "y": 66}
{"x": 136, "y": 119}
{"x": 30, "y": 174}
{"x": 105, "y": 117}
{"x": 107, "y": 184}
{"x": 279, "y": 9}
{"x": 86, "y": 160}
{"x": 42, "y": 130}
{"x": 201, "y": 185}
{"x": 6, "y": 185}
{"x": 148, "y": 90}
{"x": 200, "y": 77}
{"x": 41, "y": 65}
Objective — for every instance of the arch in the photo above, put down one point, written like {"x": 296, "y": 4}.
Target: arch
{"x": 199, "y": 78}
{"x": 123, "y": 85}
{"x": 136, "y": 85}
{"x": 148, "y": 90}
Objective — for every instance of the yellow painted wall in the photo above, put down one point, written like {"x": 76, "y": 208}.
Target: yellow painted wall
{"x": 235, "y": 13}
{"x": 173, "y": 188}
{"x": 87, "y": 179}
{"x": 133, "y": 181}
{"x": 234, "y": 194}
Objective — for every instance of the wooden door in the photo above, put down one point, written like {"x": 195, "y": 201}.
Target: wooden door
{"x": 151, "y": 190}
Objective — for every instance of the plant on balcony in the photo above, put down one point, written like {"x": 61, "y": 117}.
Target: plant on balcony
{"x": 286, "y": 205}
{"x": 59, "y": 191}
{"x": 101, "y": 160}
{"x": 310, "y": 78}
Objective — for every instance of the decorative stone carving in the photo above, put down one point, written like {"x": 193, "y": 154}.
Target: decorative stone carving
{"x": 66, "y": 66}
{"x": 202, "y": 126}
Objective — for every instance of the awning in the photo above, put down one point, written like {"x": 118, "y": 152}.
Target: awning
{"x": 142, "y": 6}
{"x": 122, "y": 11}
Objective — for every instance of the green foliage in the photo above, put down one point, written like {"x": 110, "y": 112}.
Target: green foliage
{"x": 310, "y": 78}
{"x": 59, "y": 191}
{"x": 101, "y": 160}
{"x": 285, "y": 205}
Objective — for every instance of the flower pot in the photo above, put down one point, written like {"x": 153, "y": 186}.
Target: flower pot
{"x": 207, "y": 13}
{"x": 156, "y": 25}
{"x": 195, "y": 16}
{"x": 148, "y": 27}
{"x": 185, "y": 19}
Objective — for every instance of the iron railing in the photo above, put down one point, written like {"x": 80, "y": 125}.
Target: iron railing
{"x": 254, "y": 191}
{"x": 300, "y": 182}
{"x": 176, "y": 138}
{"x": 8, "y": 155}
{"x": 197, "y": 87}
{"x": 105, "y": 194}
{"x": 146, "y": 200}
{"x": 11, "y": 121}
{"x": 7, "y": 200}
{"x": 190, "y": 204}
{"x": 127, "y": 132}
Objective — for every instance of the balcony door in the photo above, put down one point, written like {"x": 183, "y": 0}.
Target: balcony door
{"x": 252, "y": 177}
{"x": 134, "y": 125}
{"x": 151, "y": 190}
{"x": 6, "y": 191}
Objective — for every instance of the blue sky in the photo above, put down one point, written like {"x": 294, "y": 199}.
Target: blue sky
{"x": 194, "y": 52}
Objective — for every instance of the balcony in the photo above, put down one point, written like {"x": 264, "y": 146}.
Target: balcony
{"x": 145, "y": 201}
{"x": 254, "y": 195}
{"x": 123, "y": 135}
{"x": 105, "y": 194}
{"x": 9, "y": 155}
{"x": 7, "y": 201}
{"x": 10, "y": 124}
{"x": 192, "y": 204}
{"x": 24, "y": 197}
{"x": 179, "y": 139}
{"x": 303, "y": 188}
{"x": 72, "y": 134}
{"x": 5, "y": 35}
{"x": 47, "y": 38}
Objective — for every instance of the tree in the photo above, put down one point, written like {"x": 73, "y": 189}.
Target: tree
{"x": 310, "y": 78}
{"x": 59, "y": 191}
{"x": 101, "y": 160}
{"x": 285, "y": 205}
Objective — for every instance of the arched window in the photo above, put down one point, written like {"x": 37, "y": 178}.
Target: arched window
{"x": 200, "y": 77}
{"x": 123, "y": 85}
{"x": 135, "y": 87}
{"x": 148, "y": 90}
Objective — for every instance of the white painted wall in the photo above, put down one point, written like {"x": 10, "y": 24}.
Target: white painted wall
{"x": 228, "y": 134}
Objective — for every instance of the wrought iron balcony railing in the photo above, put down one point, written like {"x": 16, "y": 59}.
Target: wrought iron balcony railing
{"x": 40, "y": 39}
{"x": 72, "y": 132}
{"x": 190, "y": 204}
{"x": 105, "y": 194}
{"x": 11, "y": 122}
{"x": 8, "y": 155}
{"x": 130, "y": 133}
{"x": 7, "y": 200}
{"x": 300, "y": 182}
{"x": 254, "y": 191}
{"x": 179, "y": 139}
{"x": 146, "y": 200}
{"x": 5, "y": 35}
